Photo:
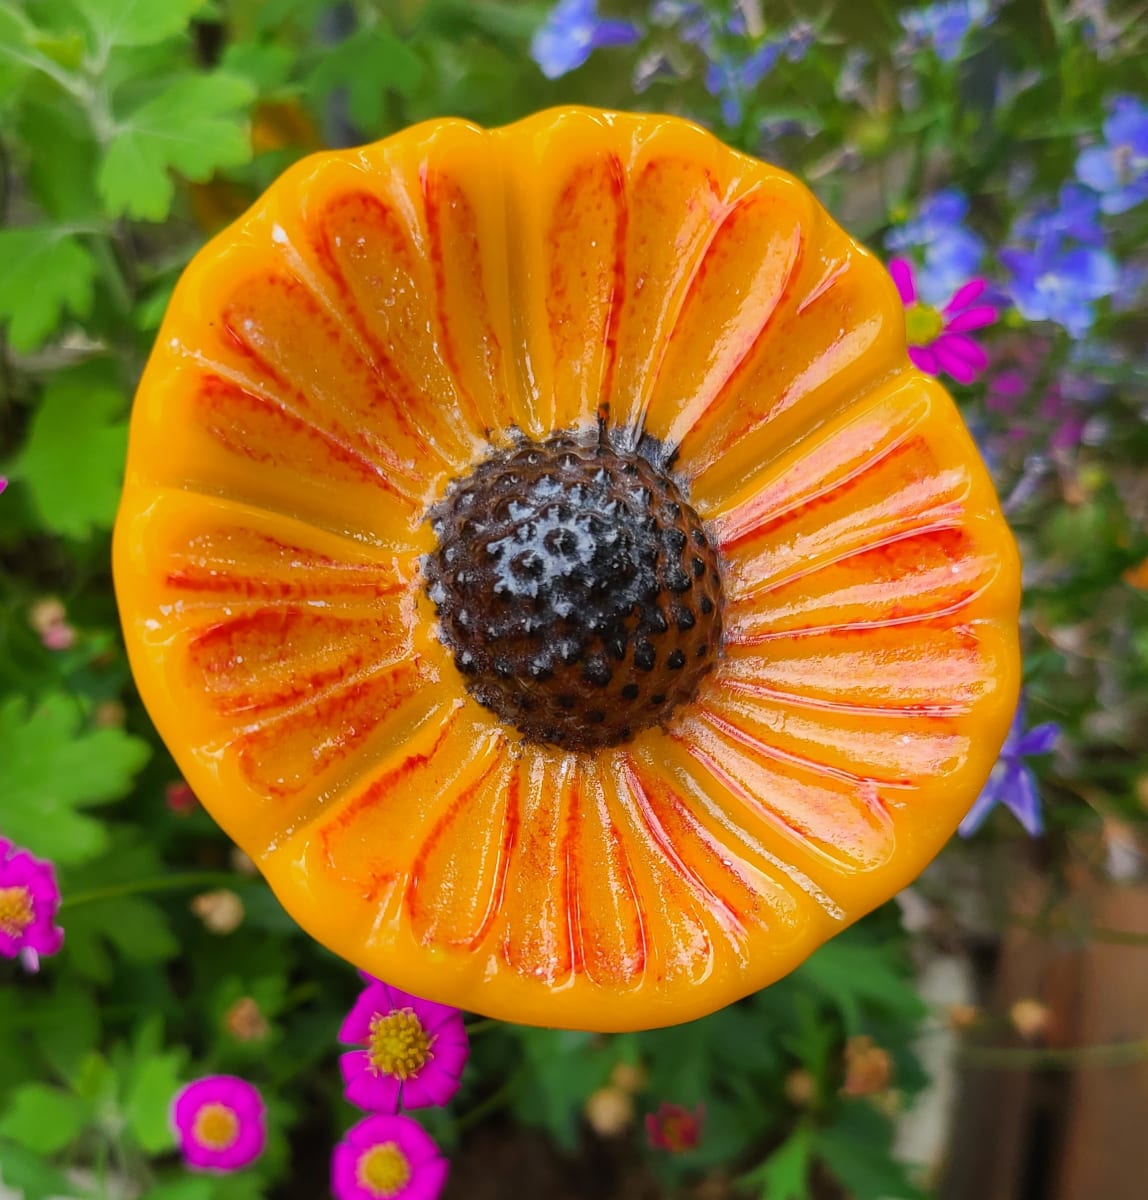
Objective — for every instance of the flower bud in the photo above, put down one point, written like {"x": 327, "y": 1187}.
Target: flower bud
{"x": 221, "y": 911}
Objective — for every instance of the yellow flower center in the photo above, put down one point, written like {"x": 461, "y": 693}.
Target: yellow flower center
{"x": 216, "y": 1126}
{"x": 16, "y": 912}
{"x": 384, "y": 1170}
{"x": 398, "y": 1044}
{"x": 922, "y": 324}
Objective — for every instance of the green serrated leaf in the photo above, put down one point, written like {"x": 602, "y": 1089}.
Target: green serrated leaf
{"x": 785, "y": 1174}
{"x": 43, "y": 273}
{"x": 49, "y": 769}
{"x": 44, "y": 1119}
{"x": 30, "y": 1176}
{"x": 63, "y": 182}
{"x": 859, "y": 974}
{"x": 136, "y": 22}
{"x": 73, "y": 459}
{"x": 368, "y": 64}
{"x": 195, "y": 126}
{"x": 67, "y": 1027}
{"x": 267, "y": 66}
{"x": 150, "y": 1090}
{"x": 858, "y": 1150}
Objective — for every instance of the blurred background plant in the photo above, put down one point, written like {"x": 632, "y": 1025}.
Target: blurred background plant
{"x": 999, "y": 151}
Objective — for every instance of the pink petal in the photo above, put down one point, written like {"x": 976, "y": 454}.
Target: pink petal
{"x": 902, "y": 271}
{"x": 450, "y": 1057}
{"x": 432, "y": 1014}
{"x": 965, "y": 349}
{"x": 951, "y": 358}
{"x": 364, "y": 1088}
{"x": 429, "y": 1088}
{"x": 356, "y": 1027}
{"x": 429, "y": 1181}
{"x": 923, "y": 358}
{"x": 972, "y": 318}
{"x": 965, "y": 295}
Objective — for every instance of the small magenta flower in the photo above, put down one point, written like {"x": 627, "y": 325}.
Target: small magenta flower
{"x": 387, "y": 1157}
{"x": 938, "y": 337}
{"x": 29, "y": 899}
{"x": 674, "y": 1127}
{"x": 220, "y": 1123}
{"x": 414, "y": 1051}
{"x": 1011, "y": 782}
{"x": 571, "y": 33}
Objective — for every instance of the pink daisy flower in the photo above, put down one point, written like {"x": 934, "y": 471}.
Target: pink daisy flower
{"x": 938, "y": 337}
{"x": 414, "y": 1050}
{"x": 219, "y": 1122}
{"x": 29, "y": 899}
{"x": 387, "y": 1157}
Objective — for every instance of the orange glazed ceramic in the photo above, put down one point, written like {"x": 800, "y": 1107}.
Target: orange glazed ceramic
{"x": 541, "y": 557}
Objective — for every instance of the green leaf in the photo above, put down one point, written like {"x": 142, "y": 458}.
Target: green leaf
{"x": 29, "y": 1175}
{"x": 150, "y": 1089}
{"x": 858, "y": 974}
{"x": 136, "y": 22}
{"x": 785, "y": 1174}
{"x": 368, "y": 64}
{"x": 106, "y": 917}
{"x": 268, "y": 67}
{"x": 49, "y": 769}
{"x": 43, "y": 272}
{"x": 194, "y": 126}
{"x": 67, "y": 1027}
{"x": 858, "y": 1149}
{"x": 73, "y": 459}
{"x": 44, "y": 1119}
{"x": 63, "y": 182}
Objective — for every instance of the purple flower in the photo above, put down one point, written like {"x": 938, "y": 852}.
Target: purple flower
{"x": 387, "y": 1158}
{"x": 1060, "y": 285}
{"x": 944, "y": 27}
{"x": 1118, "y": 170}
{"x": 952, "y": 252}
{"x": 571, "y": 33}
{"x": 219, "y": 1122}
{"x": 1011, "y": 783}
{"x": 938, "y": 338}
{"x": 414, "y": 1050}
{"x": 29, "y": 899}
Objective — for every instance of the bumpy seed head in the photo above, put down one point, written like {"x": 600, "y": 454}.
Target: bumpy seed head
{"x": 577, "y": 590}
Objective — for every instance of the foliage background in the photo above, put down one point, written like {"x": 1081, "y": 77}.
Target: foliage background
{"x": 130, "y": 130}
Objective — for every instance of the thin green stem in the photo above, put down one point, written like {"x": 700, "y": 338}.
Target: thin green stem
{"x": 492, "y": 1103}
{"x": 1103, "y": 1054}
{"x": 161, "y": 883}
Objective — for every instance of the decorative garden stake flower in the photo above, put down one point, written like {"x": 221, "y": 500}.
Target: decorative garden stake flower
{"x": 415, "y": 1050}
{"x": 1011, "y": 782}
{"x": 938, "y": 337}
{"x": 219, "y": 1123}
{"x": 29, "y": 899}
{"x": 541, "y": 556}
{"x": 387, "y": 1158}
{"x": 674, "y": 1127}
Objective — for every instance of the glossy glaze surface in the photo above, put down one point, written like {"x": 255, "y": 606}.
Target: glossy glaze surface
{"x": 376, "y": 324}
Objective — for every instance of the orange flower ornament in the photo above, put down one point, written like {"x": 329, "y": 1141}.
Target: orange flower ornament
{"x": 541, "y": 557}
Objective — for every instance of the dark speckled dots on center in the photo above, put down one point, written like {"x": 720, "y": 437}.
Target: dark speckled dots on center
{"x": 577, "y": 590}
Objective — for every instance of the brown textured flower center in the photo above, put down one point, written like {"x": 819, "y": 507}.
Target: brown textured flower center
{"x": 577, "y": 590}
{"x": 399, "y": 1044}
{"x": 16, "y": 911}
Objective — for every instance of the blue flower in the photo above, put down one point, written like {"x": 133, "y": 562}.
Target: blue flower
{"x": 571, "y": 33}
{"x": 1075, "y": 215}
{"x": 1055, "y": 284}
{"x": 952, "y": 252}
{"x": 945, "y": 26}
{"x": 1011, "y": 782}
{"x": 1118, "y": 170}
